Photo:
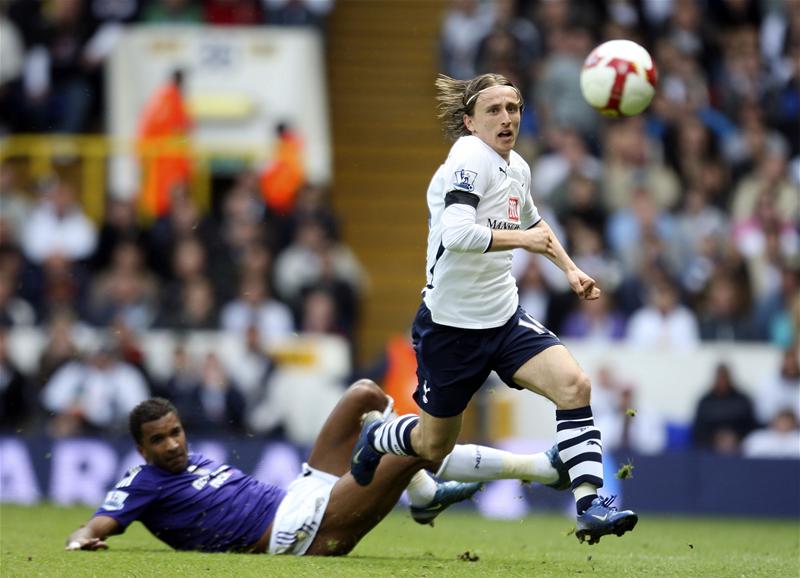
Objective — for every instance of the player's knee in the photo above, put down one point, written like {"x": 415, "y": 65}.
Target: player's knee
{"x": 576, "y": 391}
{"x": 368, "y": 395}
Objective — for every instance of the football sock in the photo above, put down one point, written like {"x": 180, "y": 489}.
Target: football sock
{"x": 581, "y": 450}
{"x": 394, "y": 437}
{"x": 584, "y": 494}
{"x": 421, "y": 489}
{"x": 474, "y": 463}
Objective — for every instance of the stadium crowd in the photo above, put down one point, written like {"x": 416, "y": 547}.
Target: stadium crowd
{"x": 688, "y": 216}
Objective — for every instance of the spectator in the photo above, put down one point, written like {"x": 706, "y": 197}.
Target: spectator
{"x": 778, "y": 312}
{"x": 14, "y": 310}
{"x": 256, "y": 307}
{"x": 127, "y": 291}
{"x": 163, "y": 131}
{"x": 558, "y": 97}
{"x": 319, "y": 314}
{"x": 727, "y": 315}
{"x": 58, "y": 226}
{"x": 120, "y": 226}
{"x": 284, "y": 174}
{"x": 252, "y": 373}
{"x": 189, "y": 261}
{"x": 313, "y": 204}
{"x": 664, "y": 323}
{"x": 534, "y": 296}
{"x": 701, "y": 235}
{"x": 14, "y": 200}
{"x": 464, "y": 24}
{"x": 724, "y": 415}
{"x": 65, "y": 336}
{"x": 93, "y": 394}
{"x": 780, "y": 440}
{"x": 184, "y": 221}
{"x": 300, "y": 264}
{"x": 179, "y": 387}
{"x": 569, "y": 157}
{"x": 632, "y": 165}
{"x": 195, "y": 309}
{"x": 16, "y": 393}
{"x": 13, "y": 51}
{"x": 340, "y": 291}
{"x": 215, "y": 404}
{"x": 782, "y": 391}
{"x": 62, "y": 65}
{"x": 596, "y": 320}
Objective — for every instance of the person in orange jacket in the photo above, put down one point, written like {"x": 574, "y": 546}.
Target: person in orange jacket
{"x": 163, "y": 131}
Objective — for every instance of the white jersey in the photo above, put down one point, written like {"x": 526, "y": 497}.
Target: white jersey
{"x": 466, "y": 286}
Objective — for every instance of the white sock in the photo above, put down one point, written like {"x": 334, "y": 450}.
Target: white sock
{"x": 584, "y": 490}
{"x": 474, "y": 463}
{"x": 421, "y": 489}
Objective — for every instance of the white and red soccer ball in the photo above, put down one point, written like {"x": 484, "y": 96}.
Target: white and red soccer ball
{"x": 619, "y": 78}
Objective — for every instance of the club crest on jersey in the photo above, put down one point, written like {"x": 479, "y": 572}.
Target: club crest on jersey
{"x": 513, "y": 209}
{"x": 464, "y": 180}
{"x": 115, "y": 500}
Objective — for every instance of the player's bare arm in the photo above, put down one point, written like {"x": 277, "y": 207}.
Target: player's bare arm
{"x": 535, "y": 240}
{"x": 541, "y": 239}
{"x": 92, "y": 536}
{"x": 583, "y": 285}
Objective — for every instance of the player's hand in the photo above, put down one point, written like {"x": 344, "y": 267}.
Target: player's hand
{"x": 86, "y": 544}
{"x": 583, "y": 285}
{"x": 540, "y": 240}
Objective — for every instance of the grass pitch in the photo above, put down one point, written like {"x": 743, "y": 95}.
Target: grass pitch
{"x": 32, "y": 539}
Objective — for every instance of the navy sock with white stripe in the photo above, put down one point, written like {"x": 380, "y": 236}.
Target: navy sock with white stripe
{"x": 394, "y": 437}
{"x": 581, "y": 450}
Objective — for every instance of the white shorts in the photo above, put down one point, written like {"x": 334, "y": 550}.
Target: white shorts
{"x": 300, "y": 513}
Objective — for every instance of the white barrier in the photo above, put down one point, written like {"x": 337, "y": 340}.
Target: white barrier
{"x": 668, "y": 383}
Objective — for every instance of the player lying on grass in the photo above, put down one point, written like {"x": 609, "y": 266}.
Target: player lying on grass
{"x": 193, "y": 503}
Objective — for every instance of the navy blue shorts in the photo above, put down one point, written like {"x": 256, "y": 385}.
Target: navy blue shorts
{"x": 453, "y": 363}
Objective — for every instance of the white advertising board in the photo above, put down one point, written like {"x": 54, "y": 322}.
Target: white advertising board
{"x": 240, "y": 83}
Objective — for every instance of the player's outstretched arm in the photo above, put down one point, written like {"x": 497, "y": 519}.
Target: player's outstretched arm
{"x": 583, "y": 285}
{"x": 92, "y": 535}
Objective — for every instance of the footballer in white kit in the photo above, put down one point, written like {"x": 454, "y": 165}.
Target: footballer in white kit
{"x": 470, "y": 323}
{"x": 469, "y": 288}
{"x": 477, "y": 190}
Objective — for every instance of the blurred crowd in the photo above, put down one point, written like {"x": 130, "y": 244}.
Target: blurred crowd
{"x": 52, "y": 78}
{"x": 688, "y": 216}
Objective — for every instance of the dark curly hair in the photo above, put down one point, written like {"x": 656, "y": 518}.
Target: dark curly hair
{"x": 149, "y": 410}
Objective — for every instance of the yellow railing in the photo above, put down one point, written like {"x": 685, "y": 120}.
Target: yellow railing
{"x": 93, "y": 152}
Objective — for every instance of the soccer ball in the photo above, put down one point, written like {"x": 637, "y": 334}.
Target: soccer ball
{"x": 619, "y": 78}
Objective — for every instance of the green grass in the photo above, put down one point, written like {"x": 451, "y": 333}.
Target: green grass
{"x": 31, "y": 542}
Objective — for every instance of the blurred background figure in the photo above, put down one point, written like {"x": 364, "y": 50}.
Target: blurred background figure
{"x": 664, "y": 322}
{"x": 207, "y": 398}
{"x": 781, "y": 391}
{"x": 163, "y": 133}
{"x": 255, "y": 307}
{"x": 780, "y": 439}
{"x": 93, "y": 394}
{"x": 724, "y": 415}
{"x": 627, "y": 425}
{"x": 17, "y": 395}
